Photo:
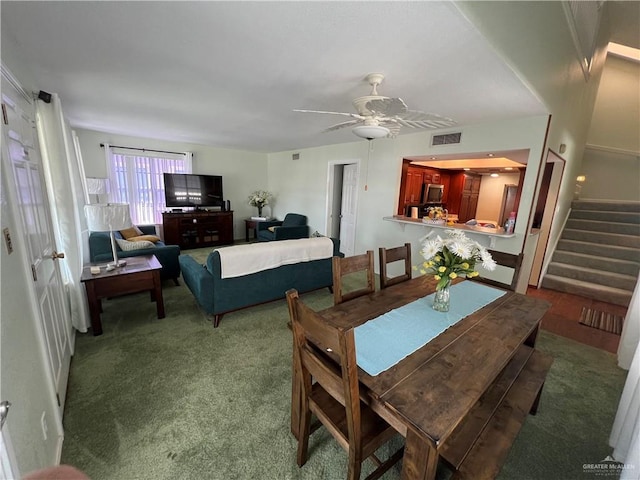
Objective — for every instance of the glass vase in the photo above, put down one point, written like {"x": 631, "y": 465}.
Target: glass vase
{"x": 441, "y": 299}
{"x": 259, "y": 211}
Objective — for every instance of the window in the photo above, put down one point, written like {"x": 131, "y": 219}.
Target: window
{"x": 136, "y": 179}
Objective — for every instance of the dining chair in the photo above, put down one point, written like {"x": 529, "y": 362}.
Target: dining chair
{"x": 508, "y": 260}
{"x": 330, "y": 390}
{"x": 343, "y": 266}
{"x": 391, "y": 255}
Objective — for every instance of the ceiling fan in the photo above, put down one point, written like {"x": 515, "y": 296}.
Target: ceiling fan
{"x": 379, "y": 116}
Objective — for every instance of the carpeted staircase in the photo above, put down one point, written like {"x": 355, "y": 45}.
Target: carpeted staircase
{"x": 598, "y": 255}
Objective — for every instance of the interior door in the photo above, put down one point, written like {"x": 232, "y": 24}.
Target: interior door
{"x": 348, "y": 209}
{"x": 27, "y": 193}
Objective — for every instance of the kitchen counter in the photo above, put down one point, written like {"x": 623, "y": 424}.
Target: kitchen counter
{"x": 492, "y": 232}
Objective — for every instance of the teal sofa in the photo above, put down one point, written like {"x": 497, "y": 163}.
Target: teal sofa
{"x": 217, "y": 295}
{"x": 167, "y": 255}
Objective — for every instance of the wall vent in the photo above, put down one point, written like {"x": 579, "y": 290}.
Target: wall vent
{"x": 446, "y": 138}
{"x": 295, "y": 156}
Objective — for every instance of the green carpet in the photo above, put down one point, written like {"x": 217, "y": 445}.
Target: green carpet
{"x": 177, "y": 399}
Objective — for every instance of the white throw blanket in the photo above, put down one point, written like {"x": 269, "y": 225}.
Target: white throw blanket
{"x": 240, "y": 260}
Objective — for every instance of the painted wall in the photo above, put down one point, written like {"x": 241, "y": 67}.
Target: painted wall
{"x": 610, "y": 175}
{"x": 24, "y": 377}
{"x": 612, "y": 156}
{"x": 548, "y": 63}
{"x": 491, "y": 193}
{"x": 301, "y": 185}
{"x": 243, "y": 172}
{"x": 616, "y": 115}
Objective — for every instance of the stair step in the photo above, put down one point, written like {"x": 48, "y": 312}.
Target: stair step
{"x": 611, "y": 251}
{"x": 608, "y": 205}
{"x": 602, "y": 226}
{"x": 616, "y": 265}
{"x": 606, "y": 216}
{"x": 601, "y": 293}
{"x": 602, "y": 238}
{"x": 593, "y": 275}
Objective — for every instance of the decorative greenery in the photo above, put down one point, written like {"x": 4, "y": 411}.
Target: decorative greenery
{"x": 260, "y": 198}
{"x": 453, "y": 256}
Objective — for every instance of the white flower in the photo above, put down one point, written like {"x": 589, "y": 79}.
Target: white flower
{"x": 260, "y": 198}
{"x": 488, "y": 262}
{"x": 455, "y": 255}
{"x": 460, "y": 248}
{"x": 431, "y": 247}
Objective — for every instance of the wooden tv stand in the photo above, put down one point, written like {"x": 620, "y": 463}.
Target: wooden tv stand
{"x": 198, "y": 228}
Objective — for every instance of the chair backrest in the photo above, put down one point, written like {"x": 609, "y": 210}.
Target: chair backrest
{"x": 390, "y": 255}
{"x": 508, "y": 260}
{"x": 348, "y": 265}
{"x": 310, "y": 331}
{"x": 294, "y": 220}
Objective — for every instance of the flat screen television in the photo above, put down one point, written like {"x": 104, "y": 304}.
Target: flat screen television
{"x": 190, "y": 190}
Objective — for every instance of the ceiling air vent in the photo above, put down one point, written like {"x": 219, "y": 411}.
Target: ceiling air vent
{"x": 446, "y": 138}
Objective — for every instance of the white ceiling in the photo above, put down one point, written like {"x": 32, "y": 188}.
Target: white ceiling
{"x": 229, "y": 74}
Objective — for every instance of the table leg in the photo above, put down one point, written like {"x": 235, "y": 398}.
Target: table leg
{"x": 157, "y": 293}
{"x": 246, "y": 232}
{"x": 420, "y": 459}
{"x": 94, "y": 308}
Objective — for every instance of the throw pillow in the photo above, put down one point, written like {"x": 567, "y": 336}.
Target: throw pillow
{"x": 272, "y": 229}
{"x": 130, "y": 232}
{"x": 128, "y": 246}
{"x": 148, "y": 238}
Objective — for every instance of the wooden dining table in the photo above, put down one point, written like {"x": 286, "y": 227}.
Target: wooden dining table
{"x": 442, "y": 397}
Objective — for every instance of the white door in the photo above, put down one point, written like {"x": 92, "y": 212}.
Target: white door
{"x": 348, "y": 209}
{"x": 27, "y": 193}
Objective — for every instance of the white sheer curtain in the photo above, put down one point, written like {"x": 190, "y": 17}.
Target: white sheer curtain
{"x": 625, "y": 434}
{"x": 136, "y": 178}
{"x": 67, "y": 199}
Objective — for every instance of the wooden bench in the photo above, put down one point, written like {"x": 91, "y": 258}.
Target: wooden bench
{"x": 479, "y": 445}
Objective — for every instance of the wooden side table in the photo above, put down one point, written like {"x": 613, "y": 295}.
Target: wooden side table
{"x": 249, "y": 224}
{"x": 140, "y": 274}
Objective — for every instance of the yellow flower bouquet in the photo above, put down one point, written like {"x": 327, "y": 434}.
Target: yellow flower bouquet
{"x": 451, "y": 257}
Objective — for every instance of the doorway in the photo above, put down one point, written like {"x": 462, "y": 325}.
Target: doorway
{"x": 509, "y": 199}
{"x": 545, "y": 210}
{"x": 342, "y": 203}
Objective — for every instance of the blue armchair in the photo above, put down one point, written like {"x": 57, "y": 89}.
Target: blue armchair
{"x": 293, "y": 226}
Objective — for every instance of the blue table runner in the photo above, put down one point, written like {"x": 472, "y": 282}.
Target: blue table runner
{"x": 384, "y": 341}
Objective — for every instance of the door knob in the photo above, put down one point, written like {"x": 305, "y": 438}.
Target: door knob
{"x": 4, "y": 411}
{"x": 55, "y": 255}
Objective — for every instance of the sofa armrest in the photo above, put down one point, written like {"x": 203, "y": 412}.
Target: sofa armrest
{"x": 290, "y": 233}
{"x": 99, "y": 246}
{"x": 199, "y": 281}
{"x": 148, "y": 229}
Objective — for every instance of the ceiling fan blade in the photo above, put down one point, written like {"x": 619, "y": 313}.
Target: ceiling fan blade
{"x": 354, "y": 115}
{"x": 338, "y": 126}
{"x": 417, "y": 116}
{"x": 386, "y": 106}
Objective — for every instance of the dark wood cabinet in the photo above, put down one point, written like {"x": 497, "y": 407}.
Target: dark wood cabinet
{"x": 469, "y": 197}
{"x": 414, "y": 181}
{"x": 198, "y": 229}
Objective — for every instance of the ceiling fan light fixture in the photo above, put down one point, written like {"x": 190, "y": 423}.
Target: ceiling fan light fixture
{"x": 370, "y": 131}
